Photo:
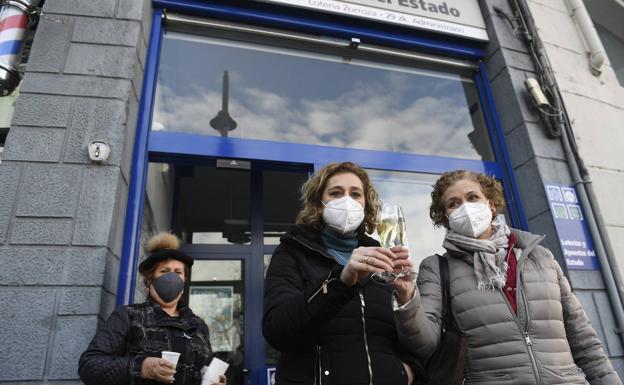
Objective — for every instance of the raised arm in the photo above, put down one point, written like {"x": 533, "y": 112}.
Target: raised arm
{"x": 419, "y": 321}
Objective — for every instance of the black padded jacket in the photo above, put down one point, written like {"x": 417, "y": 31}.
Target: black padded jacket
{"x": 327, "y": 332}
{"x": 135, "y": 332}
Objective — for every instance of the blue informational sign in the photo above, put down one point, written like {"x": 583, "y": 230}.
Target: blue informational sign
{"x": 574, "y": 237}
{"x": 270, "y": 376}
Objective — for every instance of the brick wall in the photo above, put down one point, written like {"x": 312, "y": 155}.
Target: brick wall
{"x": 61, "y": 217}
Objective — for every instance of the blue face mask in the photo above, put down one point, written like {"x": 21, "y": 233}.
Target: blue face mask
{"x": 168, "y": 286}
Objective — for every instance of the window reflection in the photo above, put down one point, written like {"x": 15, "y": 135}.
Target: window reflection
{"x": 413, "y": 193}
{"x": 280, "y": 94}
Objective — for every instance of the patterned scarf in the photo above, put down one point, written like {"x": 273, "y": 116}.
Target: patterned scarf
{"x": 488, "y": 256}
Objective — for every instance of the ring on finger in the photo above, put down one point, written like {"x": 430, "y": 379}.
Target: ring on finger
{"x": 365, "y": 260}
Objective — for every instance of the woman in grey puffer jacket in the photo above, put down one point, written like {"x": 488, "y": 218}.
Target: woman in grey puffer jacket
{"x": 509, "y": 296}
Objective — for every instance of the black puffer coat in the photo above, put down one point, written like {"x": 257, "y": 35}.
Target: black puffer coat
{"x": 135, "y": 332}
{"x": 327, "y": 332}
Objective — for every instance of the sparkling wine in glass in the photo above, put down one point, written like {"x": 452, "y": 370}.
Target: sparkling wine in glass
{"x": 392, "y": 232}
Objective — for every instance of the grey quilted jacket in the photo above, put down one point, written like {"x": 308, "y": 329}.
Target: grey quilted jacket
{"x": 550, "y": 340}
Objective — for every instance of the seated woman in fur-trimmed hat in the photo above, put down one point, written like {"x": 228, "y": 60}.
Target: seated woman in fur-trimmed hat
{"x": 127, "y": 347}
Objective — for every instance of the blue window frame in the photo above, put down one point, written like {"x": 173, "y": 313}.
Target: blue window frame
{"x": 166, "y": 146}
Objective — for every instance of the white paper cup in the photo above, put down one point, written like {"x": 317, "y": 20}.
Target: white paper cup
{"x": 213, "y": 371}
{"x": 172, "y": 357}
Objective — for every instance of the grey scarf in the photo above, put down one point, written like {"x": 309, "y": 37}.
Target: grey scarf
{"x": 488, "y": 256}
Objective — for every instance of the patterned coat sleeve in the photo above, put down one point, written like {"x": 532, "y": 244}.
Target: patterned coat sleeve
{"x": 105, "y": 361}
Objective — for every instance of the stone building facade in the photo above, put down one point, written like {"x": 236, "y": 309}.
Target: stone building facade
{"x": 62, "y": 216}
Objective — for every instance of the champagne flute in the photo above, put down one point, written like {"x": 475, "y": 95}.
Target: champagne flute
{"x": 392, "y": 232}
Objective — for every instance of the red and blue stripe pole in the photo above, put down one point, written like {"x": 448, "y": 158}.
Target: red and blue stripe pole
{"x": 14, "y": 18}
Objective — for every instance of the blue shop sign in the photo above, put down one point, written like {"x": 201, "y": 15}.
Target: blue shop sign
{"x": 270, "y": 376}
{"x": 574, "y": 237}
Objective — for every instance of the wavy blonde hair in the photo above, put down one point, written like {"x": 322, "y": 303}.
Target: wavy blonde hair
{"x": 312, "y": 193}
{"x": 492, "y": 189}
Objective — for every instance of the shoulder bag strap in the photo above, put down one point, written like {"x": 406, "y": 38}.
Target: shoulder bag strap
{"x": 447, "y": 312}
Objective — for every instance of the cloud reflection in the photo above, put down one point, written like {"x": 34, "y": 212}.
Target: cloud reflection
{"x": 412, "y": 192}
{"x": 383, "y": 114}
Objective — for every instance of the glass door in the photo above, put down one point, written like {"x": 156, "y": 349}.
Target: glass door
{"x": 229, "y": 215}
{"x": 216, "y": 294}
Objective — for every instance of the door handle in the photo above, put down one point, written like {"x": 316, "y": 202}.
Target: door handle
{"x": 246, "y": 371}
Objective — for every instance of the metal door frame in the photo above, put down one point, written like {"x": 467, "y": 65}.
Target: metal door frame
{"x": 253, "y": 257}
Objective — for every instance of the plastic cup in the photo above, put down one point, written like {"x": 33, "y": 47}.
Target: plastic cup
{"x": 172, "y": 357}
{"x": 213, "y": 371}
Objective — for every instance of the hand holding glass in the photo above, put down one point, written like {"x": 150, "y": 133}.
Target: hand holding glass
{"x": 392, "y": 232}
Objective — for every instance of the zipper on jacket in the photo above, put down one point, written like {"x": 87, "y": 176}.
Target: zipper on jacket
{"x": 323, "y": 288}
{"x": 368, "y": 358}
{"x": 527, "y": 338}
{"x": 306, "y": 244}
{"x": 319, "y": 374}
{"x": 525, "y": 329}
{"x": 529, "y": 344}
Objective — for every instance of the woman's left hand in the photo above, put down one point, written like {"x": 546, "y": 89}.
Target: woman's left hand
{"x": 222, "y": 380}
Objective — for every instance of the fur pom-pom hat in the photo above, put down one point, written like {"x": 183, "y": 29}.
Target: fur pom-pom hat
{"x": 161, "y": 247}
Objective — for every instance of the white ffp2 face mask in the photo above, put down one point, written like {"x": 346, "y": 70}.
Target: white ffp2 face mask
{"x": 343, "y": 215}
{"x": 471, "y": 219}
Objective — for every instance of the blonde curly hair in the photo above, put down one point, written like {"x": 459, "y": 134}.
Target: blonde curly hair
{"x": 492, "y": 189}
{"x": 312, "y": 194}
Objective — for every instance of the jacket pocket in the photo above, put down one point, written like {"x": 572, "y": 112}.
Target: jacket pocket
{"x": 155, "y": 340}
{"x": 297, "y": 368}
{"x": 567, "y": 374}
{"x": 572, "y": 375}
{"x": 571, "y": 371}
{"x": 387, "y": 369}
{"x": 478, "y": 378}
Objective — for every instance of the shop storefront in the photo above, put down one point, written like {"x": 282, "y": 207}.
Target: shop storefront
{"x": 242, "y": 101}
{"x": 204, "y": 117}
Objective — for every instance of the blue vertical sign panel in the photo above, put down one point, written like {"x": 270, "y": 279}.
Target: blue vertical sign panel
{"x": 574, "y": 237}
{"x": 270, "y": 376}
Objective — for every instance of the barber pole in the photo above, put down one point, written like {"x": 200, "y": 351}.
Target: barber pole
{"x": 14, "y": 18}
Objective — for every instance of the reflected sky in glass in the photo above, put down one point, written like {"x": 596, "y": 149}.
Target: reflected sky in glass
{"x": 302, "y": 97}
{"x": 413, "y": 193}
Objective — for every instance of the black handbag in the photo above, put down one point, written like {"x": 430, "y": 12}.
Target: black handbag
{"x": 446, "y": 365}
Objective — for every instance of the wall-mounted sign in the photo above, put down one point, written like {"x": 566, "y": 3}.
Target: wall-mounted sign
{"x": 574, "y": 237}
{"x": 453, "y": 17}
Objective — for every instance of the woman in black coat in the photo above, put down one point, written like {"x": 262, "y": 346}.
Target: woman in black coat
{"x": 127, "y": 348}
{"x": 331, "y": 323}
